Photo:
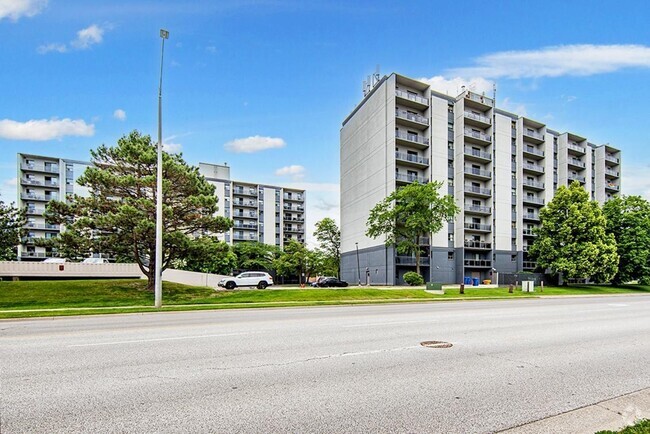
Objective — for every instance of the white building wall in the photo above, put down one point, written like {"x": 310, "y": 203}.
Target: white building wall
{"x": 269, "y": 217}
{"x": 439, "y": 157}
{"x": 502, "y": 177}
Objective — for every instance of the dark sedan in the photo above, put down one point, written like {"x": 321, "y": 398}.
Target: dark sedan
{"x": 331, "y": 282}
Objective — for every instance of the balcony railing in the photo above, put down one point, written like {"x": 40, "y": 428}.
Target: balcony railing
{"x": 249, "y": 203}
{"x": 293, "y": 219}
{"x": 297, "y": 208}
{"x": 477, "y": 153}
{"x": 478, "y": 227}
{"x": 611, "y": 172}
{"x": 534, "y": 151}
{"x": 535, "y": 200}
{"x": 611, "y": 158}
{"x": 576, "y": 162}
{"x": 410, "y": 96}
{"x": 250, "y": 215}
{"x": 412, "y": 158}
{"x": 529, "y": 233}
{"x": 576, "y": 178}
{"x": 612, "y": 187}
{"x": 478, "y": 208}
{"x": 478, "y": 244}
{"x": 294, "y": 230}
{"x": 533, "y": 134}
{"x": 245, "y": 191}
{"x": 478, "y": 263}
{"x": 247, "y": 237}
{"x": 529, "y": 264}
{"x": 533, "y": 184}
{"x": 245, "y": 226}
{"x": 478, "y": 190}
{"x": 403, "y": 114}
{"x": 531, "y": 216}
{"x": 480, "y": 118}
{"x": 294, "y": 197}
{"x": 410, "y": 260}
{"x": 478, "y": 98}
{"x": 533, "y": 167}
{"x": 412, "y": 138}
{"x": 410, "y": 178}
{"x": 423, "y": 241}
{"x": 576, "y": 147}
{"x": 30, "y": 181}
{"x": 40, "y": 168}
{"x": 42, "y": 226}
{"x": 478, "y": 172}
{"x": 478, "y": 135}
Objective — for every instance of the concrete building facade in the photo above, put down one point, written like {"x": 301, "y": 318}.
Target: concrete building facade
{"x": 264, "y": 213}
{"x": 41, "y": 179}
{"x": 501, "y": 169}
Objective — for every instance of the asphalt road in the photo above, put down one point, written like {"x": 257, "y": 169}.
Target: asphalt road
{"x": 331, "y": 369}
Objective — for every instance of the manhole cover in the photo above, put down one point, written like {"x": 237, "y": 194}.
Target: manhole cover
{"x": 435, "y": 344}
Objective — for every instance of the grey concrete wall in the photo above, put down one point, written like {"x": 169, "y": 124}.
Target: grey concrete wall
{"x": 443, "y": 270}
{"x": 380, "y": 261}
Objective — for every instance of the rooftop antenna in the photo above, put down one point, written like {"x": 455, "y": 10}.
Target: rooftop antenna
{"x": 363, "y": 88}
{"x": 375, "y": 78}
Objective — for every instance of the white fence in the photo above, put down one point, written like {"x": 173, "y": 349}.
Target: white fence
{"x": 192, "y": 278}
{"x": 68, "y": 270}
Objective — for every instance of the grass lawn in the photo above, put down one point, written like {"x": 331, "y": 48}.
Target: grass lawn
{"x": 641, "y": 427}
{"x": 76, "y": 297}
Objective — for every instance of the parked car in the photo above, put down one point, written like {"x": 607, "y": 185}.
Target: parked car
{"x": 55, "y": 261}
{"x": 95, "y": 261}
{"x": 315, "y": 284}
{"x": 258, "y": 279}
{"x": 330, "y": 282}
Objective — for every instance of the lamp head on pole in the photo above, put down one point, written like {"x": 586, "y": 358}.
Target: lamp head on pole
{"x": 164, "y": 34}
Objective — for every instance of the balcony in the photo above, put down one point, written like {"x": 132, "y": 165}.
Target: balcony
{"x": 412, "y": 160}
{"x": 533, "y": 185}
{"x": 34, "y": 211}
{"x": 32, "y": 196}
{"x": 412, "y": 120}
{"x": 478, "y": 263}
{"x": 532, "y": 168}
{"x": 245, "y": 203}
{"x": 423, "y": 241}
{"x": 245, "y": 237}
{"x": 477, "y": 227}
{"x": 42, "y": 226}
{"x": 26, "y": 181}
{"x": 293, "y": 230}
{"x": 477, "y": 137}
{"x": 245, "y": 226}
{"x": 612, "y": 187}
{"x": 609, "y": 173}
{"x": 531, "y": 216}
{"x": 477, "y": 120}
{"x": 533, "y": 136}
{"x": 533, "y": 200}
{"x": 572, "y": 177}
{"x": 529, "y": 233}
{"x": 612, "y": 160}
{"x": 529, "y": 265}
{"x": 294, "y": 197}
{"x": 411, "y": 100}
{"x": 244, "y": 191}
{"x": 410, "y": 260}
{"x": 295, "y": 208}
{"x": 533, "y": 153}
{"x": 478, "y": 245}
{"x": 471, "y": 190}
{"x": 477, "y": 155}
{"x": 54, "y": 184}
{"x": 287, "y": 218}
{"x": 482, "y": 102}
{"x": 407, "y": 179}
{"x": 411, "y": 140}
{"x": 39, "y": 168}
{"x": 472, "y": 172}
{"x": 247, "y": 215}
{"x": 477, "y": 209}
{"x": 574, "y": 148}
{"x": 574, "y": 163}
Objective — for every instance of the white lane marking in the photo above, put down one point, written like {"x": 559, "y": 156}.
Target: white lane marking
{"x": 618, "y": 305}
{"x": 389, "y": 323}
{"x": 139, "y": 341}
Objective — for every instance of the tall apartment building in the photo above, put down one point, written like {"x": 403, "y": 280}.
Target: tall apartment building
{"x": 264, "y": 213}
{"x": 41, "y": 179}
{"x": 501, "y": 169}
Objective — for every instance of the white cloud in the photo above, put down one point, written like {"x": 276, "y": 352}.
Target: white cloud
{"x": 635, "y": 180}
{"x": 172, "y": 148}
{"x": 59, "y": 48}
{"x": 119, "y": 114}
{"x": 87, "y": 37}
{"x": 253, "y": 144}
{"x": 556, "y": 61}
{"x": 14, "y": 9}
{"x": 44, "y": 129}
{"x": 454, "y": 86}
{"x": 295, "y": 171}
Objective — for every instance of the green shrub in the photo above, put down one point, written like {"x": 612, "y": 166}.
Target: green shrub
{"x": 413, "y": 278}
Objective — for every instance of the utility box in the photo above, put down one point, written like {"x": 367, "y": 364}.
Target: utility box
{"x": 528, "y": 286}
{"x": 431, "y": 286}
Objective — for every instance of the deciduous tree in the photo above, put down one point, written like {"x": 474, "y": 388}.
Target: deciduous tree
{"x": 328, "y": 235}
{"x": 409, "y": 213}
{"x": 12, "y": 221}
{"x": 572, "y": 237}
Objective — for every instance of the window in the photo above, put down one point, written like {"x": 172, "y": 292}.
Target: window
{"x": 450, "y": 237}
{"x": 450, "y": 256}
{"x": 513, "y": 258}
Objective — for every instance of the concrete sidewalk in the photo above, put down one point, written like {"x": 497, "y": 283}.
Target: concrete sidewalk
{"x": 613, "y": 414}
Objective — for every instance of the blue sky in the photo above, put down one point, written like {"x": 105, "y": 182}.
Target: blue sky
{"x": 265, "y": 85}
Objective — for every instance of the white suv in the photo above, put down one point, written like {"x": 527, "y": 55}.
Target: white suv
{"x": 250, "y": 278}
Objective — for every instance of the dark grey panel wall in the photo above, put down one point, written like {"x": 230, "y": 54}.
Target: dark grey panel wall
{"x": 442, "y": 269}
{"x": 379, "y": 260}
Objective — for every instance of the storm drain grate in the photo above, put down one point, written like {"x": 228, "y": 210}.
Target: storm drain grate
{"x": 435, "y": 344}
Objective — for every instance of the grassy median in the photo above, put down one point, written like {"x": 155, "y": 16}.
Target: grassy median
{"x": 80, "y": 297}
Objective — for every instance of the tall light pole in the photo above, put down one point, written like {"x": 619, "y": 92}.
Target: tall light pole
{"x": 358, "y": 268}
{"x": 164, "y": 34}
